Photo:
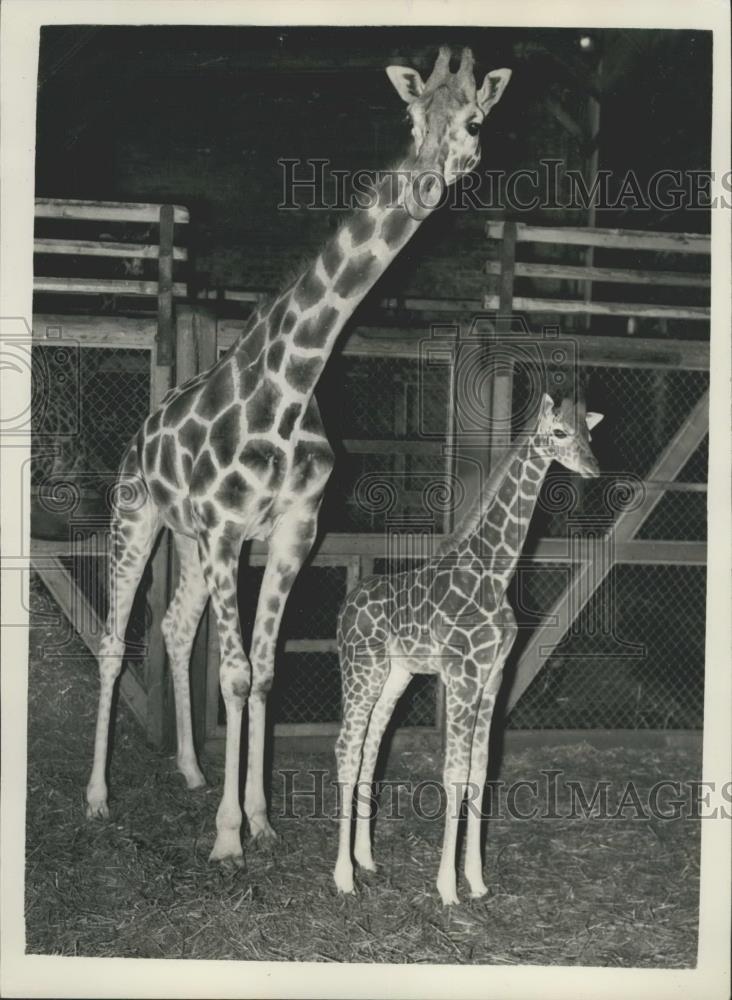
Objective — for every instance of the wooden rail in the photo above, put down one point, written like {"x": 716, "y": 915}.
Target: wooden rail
{"x": 615, "y": 239}
{"x": 164, "y": 251}
{"x": 106, "y": 211}
{"x": 624, "y": 275}
{"x": 103, "y": 286}
{"x": 507, "y": 271}
{"x": 103, "y": 248}
{"x": 650, "y": 311}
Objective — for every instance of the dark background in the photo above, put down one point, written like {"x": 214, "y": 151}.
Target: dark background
{"x": 199, "y": 116}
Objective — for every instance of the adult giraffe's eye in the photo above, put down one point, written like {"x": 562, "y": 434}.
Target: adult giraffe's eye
{"x": 559, "y": 434}
{"x": 473, "y": 128}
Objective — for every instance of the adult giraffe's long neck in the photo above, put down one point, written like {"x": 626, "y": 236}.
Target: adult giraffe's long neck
{"x": 308, "y": 316}
{"x": 494, "y": 531}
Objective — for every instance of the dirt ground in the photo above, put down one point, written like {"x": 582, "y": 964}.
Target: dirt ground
{"x": 563, "y": 891}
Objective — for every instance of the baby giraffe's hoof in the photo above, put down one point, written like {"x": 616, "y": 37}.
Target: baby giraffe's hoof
{"x": 365, "y": 862}
{"x": 97, "y": 809}
{"x": 343, "y": 879}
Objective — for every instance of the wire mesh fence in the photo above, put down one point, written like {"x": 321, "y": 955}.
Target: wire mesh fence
{"x": 85, "y": 407}
{"x": 644, "y": 671}
{"x": 393, "y": 418}
{"x": 643, "y": 409}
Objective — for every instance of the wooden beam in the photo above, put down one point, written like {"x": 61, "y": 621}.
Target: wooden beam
{"x": 102, "y": 248}
{"x": 109, "y": 211}
{"x": 619, "y": 239}
{"x": 364, "y": 446}
{"x": 594, "y": 308}
{"x": 102, "y": 286}
{"x": 83, "y": 617}
{"x": 668, "y": 466}
{"x": 95, "y": 331}
{"x": 336, "y": 548}
{"x": 607, "y": 275}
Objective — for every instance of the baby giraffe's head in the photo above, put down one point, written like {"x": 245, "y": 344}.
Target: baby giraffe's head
{"x": 446, "y": 114}
{"x": 564, "y": 435}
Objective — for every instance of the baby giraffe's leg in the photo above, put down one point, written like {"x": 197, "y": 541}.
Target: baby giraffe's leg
{"x": 462, "y": 698}
{"x": 363, "y": 676}
{"x": 397, "y": 681}
{"x": 478, "y": 772}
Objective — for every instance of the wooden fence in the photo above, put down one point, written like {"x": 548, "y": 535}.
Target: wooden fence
{"x": 183, "y": 337}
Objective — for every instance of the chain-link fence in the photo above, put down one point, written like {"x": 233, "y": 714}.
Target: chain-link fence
{"x": 646, "y": 672}
{"x": 392, "y": 419}
{"x": 87, "y": 403}
{"x": 634, "y": 656}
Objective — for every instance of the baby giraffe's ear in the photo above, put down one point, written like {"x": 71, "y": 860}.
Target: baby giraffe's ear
{"x": 593, "y": 419}
{"x": 492, "y": 90}
{"x": 407, "y": 82}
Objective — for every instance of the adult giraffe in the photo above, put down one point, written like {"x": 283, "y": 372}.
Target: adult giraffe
{"x": 239, "y": 452}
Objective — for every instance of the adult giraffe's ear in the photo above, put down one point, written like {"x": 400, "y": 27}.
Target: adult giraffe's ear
{"x": 547, "y": 405}
{"x": 407, "y": 82}
{"x": 492, "y": 90}
{"x": 593, "y": 419}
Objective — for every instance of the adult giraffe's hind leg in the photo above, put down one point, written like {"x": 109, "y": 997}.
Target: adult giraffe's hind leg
{"x": 219, "y": 550}
{"x": 179, "y": 630}
{"x": 133, "y": 532}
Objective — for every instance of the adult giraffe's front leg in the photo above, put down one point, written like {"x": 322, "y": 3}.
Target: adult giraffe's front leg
{"x": 289, "y": 545}
{"x": 219, "y": 550}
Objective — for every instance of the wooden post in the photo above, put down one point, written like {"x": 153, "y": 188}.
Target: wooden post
{"x": 160, "y": 721}
{"x": 165, "y": 286}
{"x": 205, "y": 655}
{"x": 502, "y": 391}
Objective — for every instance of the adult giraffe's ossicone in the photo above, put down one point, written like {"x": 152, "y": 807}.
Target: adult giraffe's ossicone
{"x": 239, "y": 452}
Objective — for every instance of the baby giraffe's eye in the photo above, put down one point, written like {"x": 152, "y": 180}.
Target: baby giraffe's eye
{"x": 473, "y": 128}
{"x": 560, "y": 434}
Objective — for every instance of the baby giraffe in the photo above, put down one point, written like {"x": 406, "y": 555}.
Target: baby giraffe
{"x": 449, "y": 616}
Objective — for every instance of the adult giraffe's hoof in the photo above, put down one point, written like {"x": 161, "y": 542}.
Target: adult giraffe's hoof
{"x": 479, "y": 891}
{"x": 261, "y": 830}
{"x": 228, "y": 848}
{"x": 193, "y": 777}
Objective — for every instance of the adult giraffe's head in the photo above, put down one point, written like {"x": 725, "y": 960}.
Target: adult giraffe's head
{"x": 564, "y": 432}
{"x": 446, "y": 114}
